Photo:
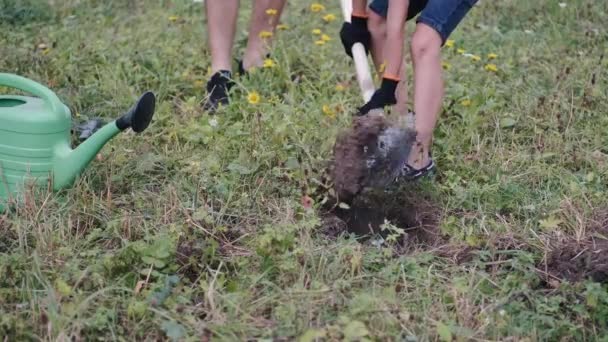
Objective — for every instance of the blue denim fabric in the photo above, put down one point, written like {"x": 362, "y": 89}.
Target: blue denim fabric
{"x": 441, "y": 15}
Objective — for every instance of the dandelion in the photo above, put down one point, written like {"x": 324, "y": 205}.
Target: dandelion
{"x": 316, "y": 7}
{"x": 449, "y": 43}
{"x": 491, "y": 67}
{"x": 199, "y": 83}
{"x": 269, "y": 63}
{"x": 320, "y": 42}
{"x": 327, "y": 110}
{"x": 329, "y": 18}
{"x": 282, "y": 27}
{"x": 465, "y": 102}
{"x": 271, "y": 11}
{"x": 325, "y": 37}
{"x": 339, "y": 87}
{"x": 475, "y": 58}
{"x": 562, "y": 4}
{"x": 445, "y": 65}
{"x": 316, "y": 31}
{"x": 173, "y": 18}
{"x": 460, "y": 51}
{"x": 253, "y": 98}
{"x": 492, "y": 56}
{"x": 265, "y": 34}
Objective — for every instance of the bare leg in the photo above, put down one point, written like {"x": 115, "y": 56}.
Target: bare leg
{"x": 221, "y": 18}
{"x": 260, "y": 21}
{"x": 377, "y": 28}
{"x": 376, "y": 25}
{"x": 428, "y": 90}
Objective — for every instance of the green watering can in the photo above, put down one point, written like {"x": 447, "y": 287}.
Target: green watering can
{"x": 35, "y": 137}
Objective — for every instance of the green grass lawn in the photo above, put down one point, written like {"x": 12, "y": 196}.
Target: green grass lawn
{"x": 197, "y": 230}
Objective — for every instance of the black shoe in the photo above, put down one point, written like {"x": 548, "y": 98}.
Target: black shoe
{"x": 410, "y": 174}
{"x": 218, "y": 88}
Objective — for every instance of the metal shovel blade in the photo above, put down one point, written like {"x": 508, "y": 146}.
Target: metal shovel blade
{"x": 385, "y": 155}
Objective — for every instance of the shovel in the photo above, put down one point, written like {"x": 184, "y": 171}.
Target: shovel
{"x": 373, "y": 152}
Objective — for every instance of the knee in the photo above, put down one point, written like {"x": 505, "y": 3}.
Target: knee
{"x": 376, "y": 25}
{"x": 426, "y": 43}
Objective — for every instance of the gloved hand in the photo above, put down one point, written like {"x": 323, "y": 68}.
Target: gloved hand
{"x": 355, "y": 32}
{"x": 382, "y": 97}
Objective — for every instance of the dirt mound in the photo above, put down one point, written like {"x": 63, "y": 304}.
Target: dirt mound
{"x": 348, "y": 171}
{"x": 584, "y": 259}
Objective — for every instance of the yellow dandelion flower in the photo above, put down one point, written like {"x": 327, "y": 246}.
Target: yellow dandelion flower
{"x": 253, "y": 98}
{"x": 339, "y": 87}
{"x": 282, "y": 27}
{"x": 265, "y": 34}
{"x": 465, "y": 102}
{"x": 269, "y": 63}
{"x": 492, "y": 56}
{"x": 271, "y": 11}
{"x": 46, "y": 51}
{"x": 327, "y": 110}
{"x": 491, "y": 67}
{"x": 460, "y": 51}
{"x": 316, "y": 31}
{"x": 446, "y": 65}
{"x": 449, "y": 43}
{"x": 329, "y": 17}
{"x": 475, "y": 58}
{"x": 199, "y": 83}
{"x": 325, "y": 37}
{"x": 320, "y": 42}
{"x": 173, "y": 18}
{"x": 316, "y": 7}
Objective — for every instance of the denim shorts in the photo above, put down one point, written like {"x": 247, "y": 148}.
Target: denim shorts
{"x": 441, "y": 15}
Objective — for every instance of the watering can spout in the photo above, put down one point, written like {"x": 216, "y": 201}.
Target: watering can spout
{"x": 70, "y": 163}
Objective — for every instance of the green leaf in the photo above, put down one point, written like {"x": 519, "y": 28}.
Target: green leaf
{"x": 62, "y": 287}
{"x": 507, "y": 122}
{"x": 355, "y": 330}
{"x": 292, "y": 163}
{"x": 153, "y": 261}
{"x": 173, "y": 330}
{"x": 312, "y": 335}
{"x": 444, "y": 332}
{"x": 550, "y": 223}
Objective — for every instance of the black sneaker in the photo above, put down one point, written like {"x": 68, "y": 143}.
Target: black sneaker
{"x": 408, "y": 173}
{"x": 218, "y": 88}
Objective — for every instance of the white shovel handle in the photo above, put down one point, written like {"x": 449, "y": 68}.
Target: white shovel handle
{"x": 364, "y": 76}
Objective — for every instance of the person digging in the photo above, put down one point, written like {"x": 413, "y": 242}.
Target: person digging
{"x": 381, "y": 29}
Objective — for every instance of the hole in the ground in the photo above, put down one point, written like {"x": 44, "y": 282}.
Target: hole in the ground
{"x": 414, "y": 210}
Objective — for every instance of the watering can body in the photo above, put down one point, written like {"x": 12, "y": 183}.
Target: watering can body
{"x": 35, "y": 139}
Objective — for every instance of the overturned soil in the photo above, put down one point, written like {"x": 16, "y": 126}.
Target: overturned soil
{"x": 348, "y": 171}
{"x": 585, "y": 259}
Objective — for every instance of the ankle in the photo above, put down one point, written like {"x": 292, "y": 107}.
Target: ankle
{"x": 253, "y": 59}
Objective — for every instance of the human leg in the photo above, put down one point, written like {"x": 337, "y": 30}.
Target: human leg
{"x": 221, "y": 19}
{"x": 435, "y": 24}
{"x": 261, "y": 21}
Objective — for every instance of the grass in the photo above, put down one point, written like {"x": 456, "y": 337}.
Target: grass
{"x": 196, "y": 230}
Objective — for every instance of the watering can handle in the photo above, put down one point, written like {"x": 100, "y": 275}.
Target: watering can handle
{"x": 34, "y": 88}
